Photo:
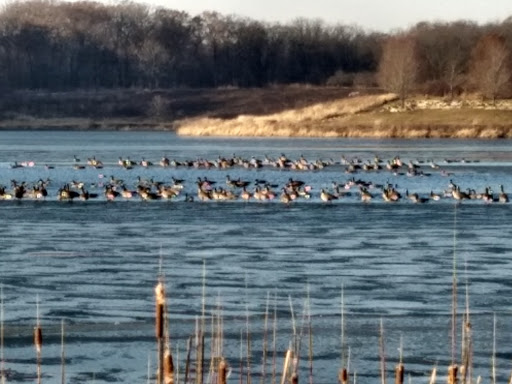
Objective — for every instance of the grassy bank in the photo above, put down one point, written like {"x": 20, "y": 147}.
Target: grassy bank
{"x": 280, "y": 111}
{"x": 370, "y": 116}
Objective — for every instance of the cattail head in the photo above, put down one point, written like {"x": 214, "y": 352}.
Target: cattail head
{"x": 399, "y": 374}
{"x": 38, "y": 338}
{"x": 168, "y": 367}
{"x": 223, "y": 368}
{"x": 160, "y": 293}
{"x": 452, "y": 374}
{"x": 159, "y": 321}
{"x": 295, "y": 378}
{"x": 343, "y": 376}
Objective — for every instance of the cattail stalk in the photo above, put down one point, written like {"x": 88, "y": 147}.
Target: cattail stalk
{"x": 177, "y": 363}
{"x": 38, "y": 342}
{"x": 187, "y": 361}
{"x": 148, "y": 373}
{"x": 200, "y": 336}
{"x": 2, "y": 366}
{"x": 343, "y": 372}
{"x": 248, "y": 332}
{"x": 294, "y": 327}
{"x": 274, "y": 342}
{"x": 493, "y": 360}
{"x": 454, "y": 289}
{"x": 467, "y": 359}
{"x": 310, "y": 343}
{"x": 399, "y": 369}
{"x": 159, "y": 328}
{"x": 265, "y": 342}
{"x": 433, "y": 376}
{"x": 213, "y": 355}
{"x": 241, "y": 356}
{"x": 382, "y": 354}
{"x": 286, "y": 365}
{"x": 62, "y": 354}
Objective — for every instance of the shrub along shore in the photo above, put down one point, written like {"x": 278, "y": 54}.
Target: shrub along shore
{"x": 287, "y": 111}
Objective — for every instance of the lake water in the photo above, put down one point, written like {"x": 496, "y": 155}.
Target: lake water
{"x": 94, "y": 264}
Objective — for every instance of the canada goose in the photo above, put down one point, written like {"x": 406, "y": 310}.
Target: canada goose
{"x": 457, "y": 194}
{"x": 415, "y": 198}
{"x": 435, "y": 196}
{"x": 164, "y": 162}
{"x": 146, "y": 194}
{"x": 126, "y": 163}
{"x": 93, "y": 162}
{"x": 285, "y": 197}
{"x": 145, "y": 163}
{"x": 294, "y": 183}
{"x": 19, "y": 190}
{"x": 126, "y": 193}
{"x": 245, "y": 194}
{"x": 365, "y": 195}
{"x": 85, "y": 195}
{"x": 5, "y": 195}
{"x": 167, "y": 192}
{"x": 487, "y": 196}
{"x": 326, "y": 196}
{"x": 390, "y": 194}
{"x": 236, "y": 183}
{"x": 111, "y": 193}
{"x": 203, "y": 194}
{"x": 65, "y": 193}
{"x": 39, "y": 191}
{"x": 177, "y": 181}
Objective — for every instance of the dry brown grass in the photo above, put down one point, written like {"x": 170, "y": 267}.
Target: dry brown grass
{"x": 307, "y": 121}
{"x": 369, "y": 116}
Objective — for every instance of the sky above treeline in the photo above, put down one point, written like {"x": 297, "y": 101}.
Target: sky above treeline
{"x": 373, "y": 15}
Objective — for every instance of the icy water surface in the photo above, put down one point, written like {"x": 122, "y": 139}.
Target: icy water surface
{"x": 94, "y": 264}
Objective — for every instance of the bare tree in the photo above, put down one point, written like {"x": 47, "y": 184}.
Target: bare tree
{"x": 398, "y": 66}
{"x": 445, "y": 50}
{"x": 491, "y": 68}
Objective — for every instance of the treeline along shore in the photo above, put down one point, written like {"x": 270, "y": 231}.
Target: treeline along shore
{"x": 87, "y": 65}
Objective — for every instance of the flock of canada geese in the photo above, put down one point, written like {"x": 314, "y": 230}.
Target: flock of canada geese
{"x": 294, "y": 189}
